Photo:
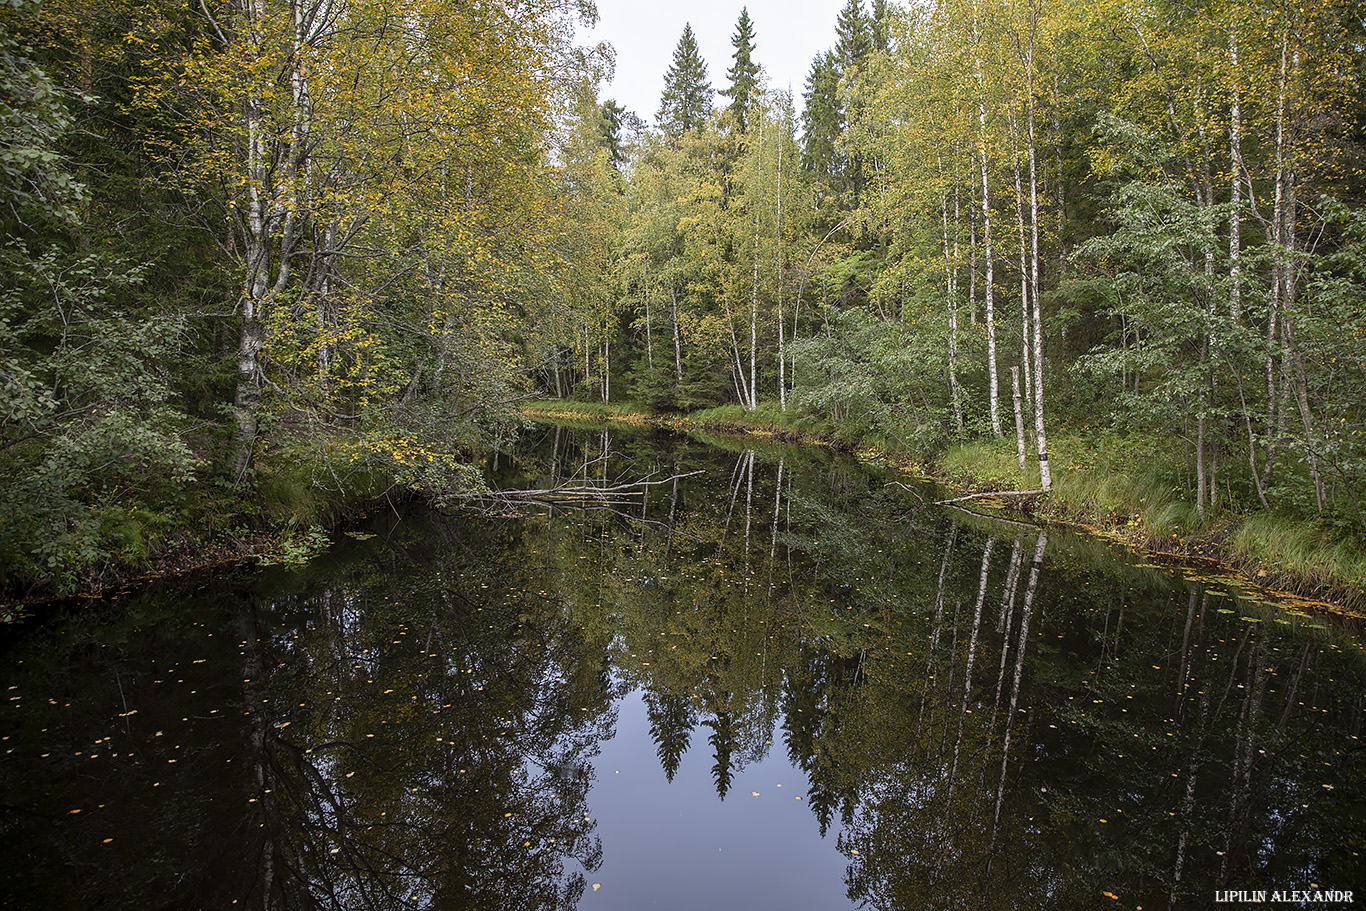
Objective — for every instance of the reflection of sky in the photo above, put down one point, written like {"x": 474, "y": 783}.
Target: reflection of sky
{"x": 677, "y": 845}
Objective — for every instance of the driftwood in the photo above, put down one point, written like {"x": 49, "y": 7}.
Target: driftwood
{"x": 983, "y": 515}
{"x": 580, "y": 493}
{"x": 994, "y": 493}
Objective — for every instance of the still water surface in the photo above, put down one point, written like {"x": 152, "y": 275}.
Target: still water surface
{"x": 782, "y": 683}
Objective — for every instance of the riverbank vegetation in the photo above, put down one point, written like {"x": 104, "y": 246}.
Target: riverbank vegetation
{"x": 266, "y": 258}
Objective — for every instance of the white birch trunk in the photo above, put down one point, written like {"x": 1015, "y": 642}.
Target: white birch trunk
{"x": 1040, "y": 435}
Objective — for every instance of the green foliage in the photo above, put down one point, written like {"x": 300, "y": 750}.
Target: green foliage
{"x": 865, "y": 376}
{"x": 35, "y": 181}
{"x": 91, "y": 446}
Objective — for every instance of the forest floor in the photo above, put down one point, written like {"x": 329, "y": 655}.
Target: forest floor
{"x": 1104, "y": 484}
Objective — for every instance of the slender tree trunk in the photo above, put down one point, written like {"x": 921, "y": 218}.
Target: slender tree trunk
{"x": 989, "y": 292}
{"x": 649, "y": 329}
{"x": 989, "y": 287}
{"x": 1019, "y": 418}
{"x": 678, "y": 347}
{"x": 1040, "y": 435}
{"x": 1025, "y": 359}
{"x": 951, "y": 300}
{"x": 1235, "y": 144}
{"x": 782, "y": 337}
{"x": 753, "y": 402}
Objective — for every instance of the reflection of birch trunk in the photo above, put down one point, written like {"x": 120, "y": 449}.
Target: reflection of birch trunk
{"x": 972, "y": 655}
{"x": 1007, "y": 620}
{"x": 1187, "y": 809}
{"x": 749, "y": 517}
{"x": 1184, "y": 674}
{"x": 777, "y": 510}
{"x": 1245, "y": 745}
{"x": 253, "y": 676}
{"x": 1034, "y": 569}
{"x": 938, "y": 621}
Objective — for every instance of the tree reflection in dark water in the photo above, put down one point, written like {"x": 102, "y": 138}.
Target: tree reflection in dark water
{"x": 981, "y": 715}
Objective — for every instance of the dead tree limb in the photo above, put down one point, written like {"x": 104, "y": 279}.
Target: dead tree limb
{"x": 994, "y": 493}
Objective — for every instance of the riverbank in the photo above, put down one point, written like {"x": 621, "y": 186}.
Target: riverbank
{"x": 1125, "y": 489}
{"x": 283, "y": 517}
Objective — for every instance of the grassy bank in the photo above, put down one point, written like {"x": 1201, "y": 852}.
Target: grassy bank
{"x": 1131, "y": 488}
{"x": 281, "y": 516}
{"x": 1128, "y": 489}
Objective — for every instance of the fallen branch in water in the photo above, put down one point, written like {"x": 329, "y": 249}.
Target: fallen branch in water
{"x": 579, "y": 492}
{"x": 994, "y": 493}
{"x": 983, "y": 515}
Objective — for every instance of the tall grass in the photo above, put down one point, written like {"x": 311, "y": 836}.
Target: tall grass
{"x": 1097, "y": 477}
{"x": 1300, "y": 555}
{"x": 767, "y": 415}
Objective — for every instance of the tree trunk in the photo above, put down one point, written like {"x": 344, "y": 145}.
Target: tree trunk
{"x": 988, "y": 290}
{"x": 678, "y": 349}
{"x": 782, "y": 337}
{"x": 649, "y": 330}
{"x": 754, "y": 293}
{"x": 1024, "y": 268}
{"x": 951, "y": 300}
{"x": 1019, "y": 418}
{"x": 1040, "y": 435}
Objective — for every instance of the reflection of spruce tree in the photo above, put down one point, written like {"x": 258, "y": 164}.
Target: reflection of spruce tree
{"x": 722, "y": 742}
{"x": 671, "y": 722}
{"x": 819, "y": 682}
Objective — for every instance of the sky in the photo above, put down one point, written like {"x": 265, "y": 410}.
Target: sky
{"x": 787, "y": 34}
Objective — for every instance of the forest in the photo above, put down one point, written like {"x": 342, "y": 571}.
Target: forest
{"x": 264, "y": 258}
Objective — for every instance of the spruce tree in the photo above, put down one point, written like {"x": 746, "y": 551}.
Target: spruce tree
{"x": 822, "y": 122}
{"x": 610, "y": 121}
{"x": 881, "y": 15}
{"x": 687, "y": 98}
{"x": 743, "y": 73}
{"x": 854, "y": 35}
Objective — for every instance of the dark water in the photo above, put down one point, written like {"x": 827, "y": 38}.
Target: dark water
{"x": 780, "y": 684}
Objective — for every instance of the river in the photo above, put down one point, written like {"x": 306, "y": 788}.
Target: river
{"x": 779, "y": 681}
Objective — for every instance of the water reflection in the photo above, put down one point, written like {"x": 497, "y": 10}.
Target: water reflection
{"x": 962, "y": 713}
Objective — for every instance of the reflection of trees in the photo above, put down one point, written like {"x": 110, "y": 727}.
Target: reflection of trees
{"x": 931, "y": 691}
{"x": 423, "y": 712}
{"x": 426, "y": 737}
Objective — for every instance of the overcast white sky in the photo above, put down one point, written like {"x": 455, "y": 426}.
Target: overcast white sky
{"x": 787, "y": 34}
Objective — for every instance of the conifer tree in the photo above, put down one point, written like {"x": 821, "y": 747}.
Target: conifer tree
{"x": 880, "y": 37}
{"x": 611, "y": 118}
{"x": 687, "y": 98}
{"x": 855, "y": 38}
{"x": 821, "y": 119}
{"x": 743, "y": 73}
